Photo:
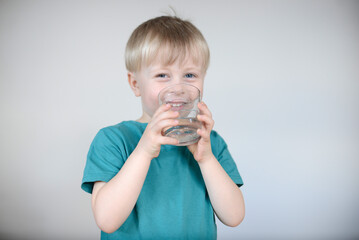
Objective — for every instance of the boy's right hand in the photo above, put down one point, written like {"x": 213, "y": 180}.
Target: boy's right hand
{"x": 152, "y": 138}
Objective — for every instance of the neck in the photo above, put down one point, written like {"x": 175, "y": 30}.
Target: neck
{"x": 144, "y": 118}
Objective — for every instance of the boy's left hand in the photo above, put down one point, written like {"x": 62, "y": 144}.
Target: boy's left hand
{"x": 202, "y": 149}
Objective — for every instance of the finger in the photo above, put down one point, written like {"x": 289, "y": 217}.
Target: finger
{"x": 204, "y": 109}
{"x": 169, "y": 114}
{"x": 168, "y": 141}
{"x": 165, "y": 108}
{"x": 161, "y": 109}
{"x": 205, "y": 135}
{"x": 165, "y": 124}
{"x": 207, "y": 121}
{"x": 207, "y": 126}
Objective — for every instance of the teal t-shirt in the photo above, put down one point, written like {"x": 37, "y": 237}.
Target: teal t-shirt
{"x": 173, "y": 203}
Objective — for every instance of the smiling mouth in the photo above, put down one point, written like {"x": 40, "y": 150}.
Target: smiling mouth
{"x": 176, "y": 106}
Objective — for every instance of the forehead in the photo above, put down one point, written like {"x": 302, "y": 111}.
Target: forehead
{"x": 179, "y": 61}
{"x": 182, "y": 56}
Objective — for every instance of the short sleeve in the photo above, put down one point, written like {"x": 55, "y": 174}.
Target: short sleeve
{"x": 104, "y": 159}
{"x": 220, "y": 150}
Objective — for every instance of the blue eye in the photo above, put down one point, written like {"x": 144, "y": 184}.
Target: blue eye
{"x": 161, "y": 75}
{"x": 190, "y": 75}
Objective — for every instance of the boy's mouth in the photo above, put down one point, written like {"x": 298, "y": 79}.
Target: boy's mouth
{"x": 176, "y": 106}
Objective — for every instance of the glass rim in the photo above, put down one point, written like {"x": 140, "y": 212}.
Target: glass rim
{"x": 179, "y": 84}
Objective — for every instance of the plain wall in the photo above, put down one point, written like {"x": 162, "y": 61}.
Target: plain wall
{"x": 283, "y": 87}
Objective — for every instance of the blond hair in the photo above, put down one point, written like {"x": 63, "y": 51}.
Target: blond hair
{"x": 169, "y": 38}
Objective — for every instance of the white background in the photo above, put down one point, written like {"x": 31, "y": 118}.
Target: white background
{"x": 283, "y": 87}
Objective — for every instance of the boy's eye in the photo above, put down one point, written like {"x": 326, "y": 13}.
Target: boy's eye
{"x": 161, "y": 75}
{"x": 190, "y": 75}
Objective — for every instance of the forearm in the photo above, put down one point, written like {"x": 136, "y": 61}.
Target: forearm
{"x": 115, "y": 200}
{"x": 225, "y": 196}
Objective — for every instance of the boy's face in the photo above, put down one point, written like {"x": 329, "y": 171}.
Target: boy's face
{"x": 150, "y": 80}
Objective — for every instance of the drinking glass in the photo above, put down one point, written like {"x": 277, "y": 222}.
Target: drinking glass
{"x": 184, "y": 99}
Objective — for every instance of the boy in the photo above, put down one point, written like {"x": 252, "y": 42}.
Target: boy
{"x": 142, "y": 185}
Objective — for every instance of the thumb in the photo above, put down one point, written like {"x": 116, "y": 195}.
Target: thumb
{"x": 192, "y": 147}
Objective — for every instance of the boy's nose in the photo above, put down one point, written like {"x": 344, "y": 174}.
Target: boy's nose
{"x": 177, "y": 80}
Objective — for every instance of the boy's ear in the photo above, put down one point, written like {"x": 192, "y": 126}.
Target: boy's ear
{"x": 133, "y": 84}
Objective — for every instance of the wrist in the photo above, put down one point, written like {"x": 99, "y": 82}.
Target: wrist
{"x": 147, "y": 149}
{"x": 141, "y": 153}
{"x": 206, "y": 159}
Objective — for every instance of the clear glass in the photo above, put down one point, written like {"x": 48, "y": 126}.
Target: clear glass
{"x": 183, "y": 98}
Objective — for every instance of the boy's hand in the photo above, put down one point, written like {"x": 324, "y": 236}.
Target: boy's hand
{"x": 152, "y": 138}
{"x": 202, "y": 149}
